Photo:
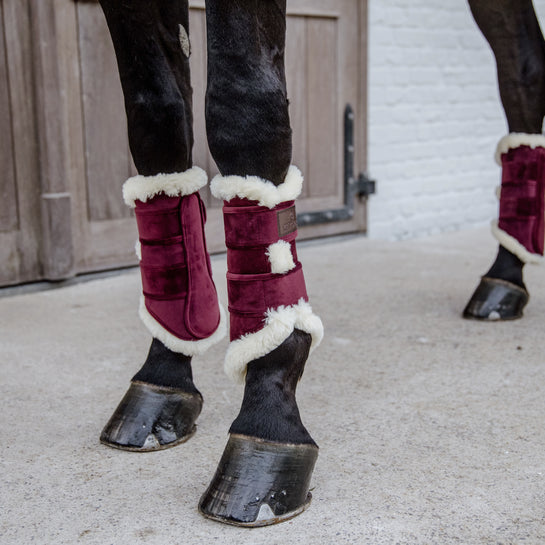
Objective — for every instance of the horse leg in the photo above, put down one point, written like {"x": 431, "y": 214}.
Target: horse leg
{"x": 512, "y": 30}
{"x": 179, "y": 306}
{"x": 264, "y": 474}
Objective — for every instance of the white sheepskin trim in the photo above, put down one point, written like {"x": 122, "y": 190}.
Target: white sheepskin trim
{"x": 257, "y": 189}
{"x": 517, "y": 139}
{"x": 279, "y": 324}
{"x": 513, "y": 245}
{"x": 177, "y": 184}
{"x": 280, "y": 257}
{"x": 189, "y": 348}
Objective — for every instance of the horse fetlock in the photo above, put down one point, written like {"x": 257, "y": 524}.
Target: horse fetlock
{"x": 163, "y": 367}
{"x": 284, "y": 365}
{"x": 508, "y": 267}
{"x": 269, "y": 408}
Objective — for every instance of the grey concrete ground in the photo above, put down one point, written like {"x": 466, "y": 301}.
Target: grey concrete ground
{"x": 431, "y": 427}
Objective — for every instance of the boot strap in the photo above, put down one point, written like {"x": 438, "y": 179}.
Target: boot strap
{"x": 251, "y": 296}
{"x": 522, "y": 198}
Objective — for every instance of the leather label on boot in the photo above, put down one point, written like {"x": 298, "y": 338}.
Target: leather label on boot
{"x": 287, "y": 221}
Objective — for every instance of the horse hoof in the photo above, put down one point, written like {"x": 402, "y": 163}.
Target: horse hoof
{"x": 259, "y": 482}
{"x": 496, "y": 299}
{"x": 152, "y": 418}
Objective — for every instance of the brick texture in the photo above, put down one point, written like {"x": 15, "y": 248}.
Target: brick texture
{"x": 434, "y": 118}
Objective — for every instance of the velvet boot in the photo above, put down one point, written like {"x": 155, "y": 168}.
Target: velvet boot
{"x": 520, "y": 227}
{"x": 179, "y": 306}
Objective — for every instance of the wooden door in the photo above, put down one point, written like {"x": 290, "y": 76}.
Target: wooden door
{"x": 65, "y": 151}
{"x": 20, "y": 232}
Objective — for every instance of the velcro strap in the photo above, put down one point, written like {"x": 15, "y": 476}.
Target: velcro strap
{"x": 163, "y": 282}
{"x": 518, "y": 208}
{"x": 255, "y": 226}
{"x": 256, "y": 293}
{"x": 157, "y": 224}
{"x": 253, "y": 260}
{"x": 520, "y": 165}
{"x": 163, "y": 253}
{"x": 522, "y": 198}
{"x": 522, "y": 183}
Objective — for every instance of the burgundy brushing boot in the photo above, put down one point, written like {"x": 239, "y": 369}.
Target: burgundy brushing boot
{"x": 520, "y": 228}
{"x": 259, "y": 480}
{"x": 179, "y": 306}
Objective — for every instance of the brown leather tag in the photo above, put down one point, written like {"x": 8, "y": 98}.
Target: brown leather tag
{"x": 287, "y": 221}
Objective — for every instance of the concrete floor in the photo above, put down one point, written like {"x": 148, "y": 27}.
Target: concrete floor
{"x": 431, "y": 427}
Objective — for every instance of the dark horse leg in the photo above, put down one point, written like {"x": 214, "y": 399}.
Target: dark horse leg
{"x": 513, "y": 32}
{"x": 264, "y": 474}
{"x": 179, "y": 306}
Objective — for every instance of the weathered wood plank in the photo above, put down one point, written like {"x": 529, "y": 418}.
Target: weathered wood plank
{"x": 20, "y": 249}
{"x": 108, "y": 163}
{"x": 8, "y": 197}
{"x": 70, "y": 73}
{"x": 11, "y": 271}
{"x": 110, "y": 243}
{"x": 57, "y": 246}
{"x": 56, "y": 78}
{"x": 323, "y": 174}
{"x": 201, "y": 154}
{"x": 197, "y": 34}
{"x": 361, "y": 90}
{"x": 296, "y": 80}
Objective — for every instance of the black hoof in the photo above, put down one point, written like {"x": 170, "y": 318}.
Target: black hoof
{"x": 259, "y": 483}
{"x": 496, "y": 299}
{"x": 152, "y": 418}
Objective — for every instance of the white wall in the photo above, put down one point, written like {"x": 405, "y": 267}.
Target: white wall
{"x": 434, "y": 118}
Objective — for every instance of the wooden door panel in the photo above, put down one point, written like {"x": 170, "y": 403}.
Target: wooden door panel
{"x": 107, "y": 154}
{"x": 197, "y": 30}
{"x": 8, "y": 201}
{"x": 297, "y": 84}
{"x": 66, "y": 146}
{"x": 201, "y": 153}
{"x": 20, "y": 195}
{"x": 322, "y": 52}
{"x": 108, "y": 229}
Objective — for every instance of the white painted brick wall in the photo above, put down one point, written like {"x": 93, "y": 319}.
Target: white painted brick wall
{"x": 434, "y": 118}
